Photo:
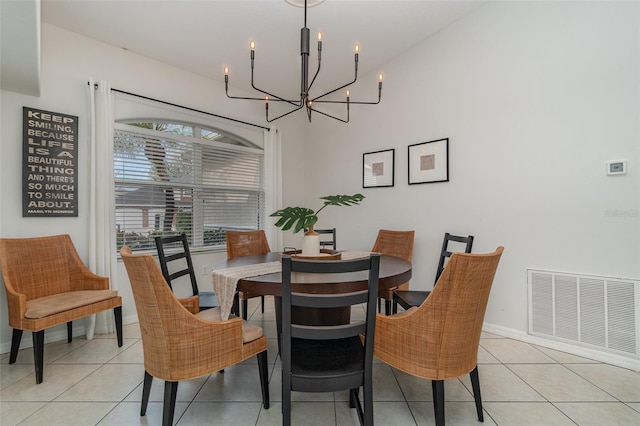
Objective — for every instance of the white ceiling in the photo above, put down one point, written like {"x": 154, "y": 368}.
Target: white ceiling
{"x": 203, "y": 36}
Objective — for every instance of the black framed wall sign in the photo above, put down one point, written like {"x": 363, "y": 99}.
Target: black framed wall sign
{"x": 49, "y": 164}
{"x": 429, "y": 162}
{"x": 377, "y": 168}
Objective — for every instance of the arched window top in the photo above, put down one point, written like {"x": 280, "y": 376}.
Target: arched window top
{"x": 190, "y": 129}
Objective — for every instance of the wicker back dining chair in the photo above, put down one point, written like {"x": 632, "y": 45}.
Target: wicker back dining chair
{"x": 179, "y": 345}
{"x": 409, "y": 298}
{"x": 329, "y": 358}
{"x": 439, "y": 339}
{"x": 244, "y": 243}
{"x": 175, "y": 262}
{"x": 397, "y": 244}
{"x": 48, "y": 285}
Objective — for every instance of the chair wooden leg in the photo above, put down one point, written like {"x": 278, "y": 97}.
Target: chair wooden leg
{"x": 15, "y": 345}
{"x": 38, "y": 353}
{"x": 475, "y": 384}
{"x": 69, "y": 331}
{"x": 146, "y": 391}
{"x": 264, "y": 378}
{"x": 387, "y": 307}
{"x": 262, "y": 303}
{"x": 117, "y": 314}
{"x": 169, "y": 405}
{"x": 438, "y": 401}
{"x": 353, "y": 398}
{"x": 245, "y": 309}
{"x": 286, "y": 400}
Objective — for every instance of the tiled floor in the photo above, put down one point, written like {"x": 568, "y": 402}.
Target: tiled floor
{"x": 95, "y": 382}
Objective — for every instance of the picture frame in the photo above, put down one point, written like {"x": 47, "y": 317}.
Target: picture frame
{"x": 378, "y": 168}
{"x": 429, "y": 162}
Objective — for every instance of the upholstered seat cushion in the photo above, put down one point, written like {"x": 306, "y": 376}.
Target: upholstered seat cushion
{"x": 56, "y": 303}
{"x": 250, "y": 332}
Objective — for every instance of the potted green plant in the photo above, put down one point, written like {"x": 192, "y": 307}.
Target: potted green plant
{"x": 300, "y": 218}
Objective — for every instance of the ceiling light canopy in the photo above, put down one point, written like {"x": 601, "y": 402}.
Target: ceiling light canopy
{"x": 305, "y": 101}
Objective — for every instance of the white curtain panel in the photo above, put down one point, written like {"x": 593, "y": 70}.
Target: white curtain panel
{"x": 273, "y": 185}
{"x": 102, "y": 238}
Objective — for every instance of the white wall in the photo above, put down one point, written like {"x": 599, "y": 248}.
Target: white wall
{"x": 68, "y": 61}
{"x": 534, "y": 97}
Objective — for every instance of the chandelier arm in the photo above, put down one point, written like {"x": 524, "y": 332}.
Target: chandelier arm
{"x": 329, "y": 115}
{"x": 315, "y": 75}
{"x": 355, "y": 77}
{"x": 280, "y": 116}
{"x": 273, "y": 97}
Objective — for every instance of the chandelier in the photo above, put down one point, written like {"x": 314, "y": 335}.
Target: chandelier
{"x": 306, "y": 100}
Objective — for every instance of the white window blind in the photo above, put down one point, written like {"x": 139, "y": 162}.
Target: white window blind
{"x": 168, "y": 184}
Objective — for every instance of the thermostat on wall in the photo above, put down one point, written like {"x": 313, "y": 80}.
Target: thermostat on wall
{"x": 616, "y": 167}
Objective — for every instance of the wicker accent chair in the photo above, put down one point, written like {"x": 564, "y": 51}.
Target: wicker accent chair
{"x": 244, "y": 243}
{"x": 47, "y": 285}
{"x": 439, "y": 339}
{"x": 329, "y": 358}
{"x": 178, "y": 345}
{"x": 398, "y": 244}
{"x": 409, "y": 298}
{"x": 199, "y": 300}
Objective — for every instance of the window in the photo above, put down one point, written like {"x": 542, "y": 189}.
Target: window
{"x": 169, "y": 182}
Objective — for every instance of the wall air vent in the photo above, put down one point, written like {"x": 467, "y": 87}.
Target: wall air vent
{"x": 595, "y": 312}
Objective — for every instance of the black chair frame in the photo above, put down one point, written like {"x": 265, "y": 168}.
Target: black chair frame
{"x": 409, "y": 298}
{"x": 328, "y": 358}
{"x": 207, "y": 299}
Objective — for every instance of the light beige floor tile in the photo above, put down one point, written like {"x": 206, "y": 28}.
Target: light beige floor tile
{"x": 96, "y": 351}
{"x": 386, "y": 386}
{"x": 600, "y": 413}
{"x": 128, "y": 414}
{"x": 621, "y": 383}
{"x": 131, "y": 355}
{"x": 384, "y": 413}
{"x": 526, "y": 414}
{"x": 302, "y": 413}
{"x": 56, "y": 380}
{"x": 418, "y": 389}
{"x": 111, "y": 382}
{"x": 12, "y": 413}
{"x": 512, "y": 351}
{"x": 484, "y": 357}
{"x": 187, "y": 390}
{"x": 455, "y": 413}
{"x": 69, "y": 413}
{"x": 10, "y": 374}
{"x": 557, "y": 383}
{"x": 52, "y": 351}
{"x": 223, "y": 413}
{"x": 563, "y": 357}
{"x": 237, "y": 383}
{"x": 498, "y": 383}
{"x": 634, "y": 405}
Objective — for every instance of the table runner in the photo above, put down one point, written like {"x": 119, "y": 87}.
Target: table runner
{"x": 225, "y": 281}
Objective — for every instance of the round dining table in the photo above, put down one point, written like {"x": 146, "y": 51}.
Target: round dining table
{"x": 393, "y": 271}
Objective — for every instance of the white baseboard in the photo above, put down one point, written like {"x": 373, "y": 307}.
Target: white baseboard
{"x": 609, "y": 358}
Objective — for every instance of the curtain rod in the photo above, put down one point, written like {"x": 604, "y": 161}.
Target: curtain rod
{"x": 187, "y": 108}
